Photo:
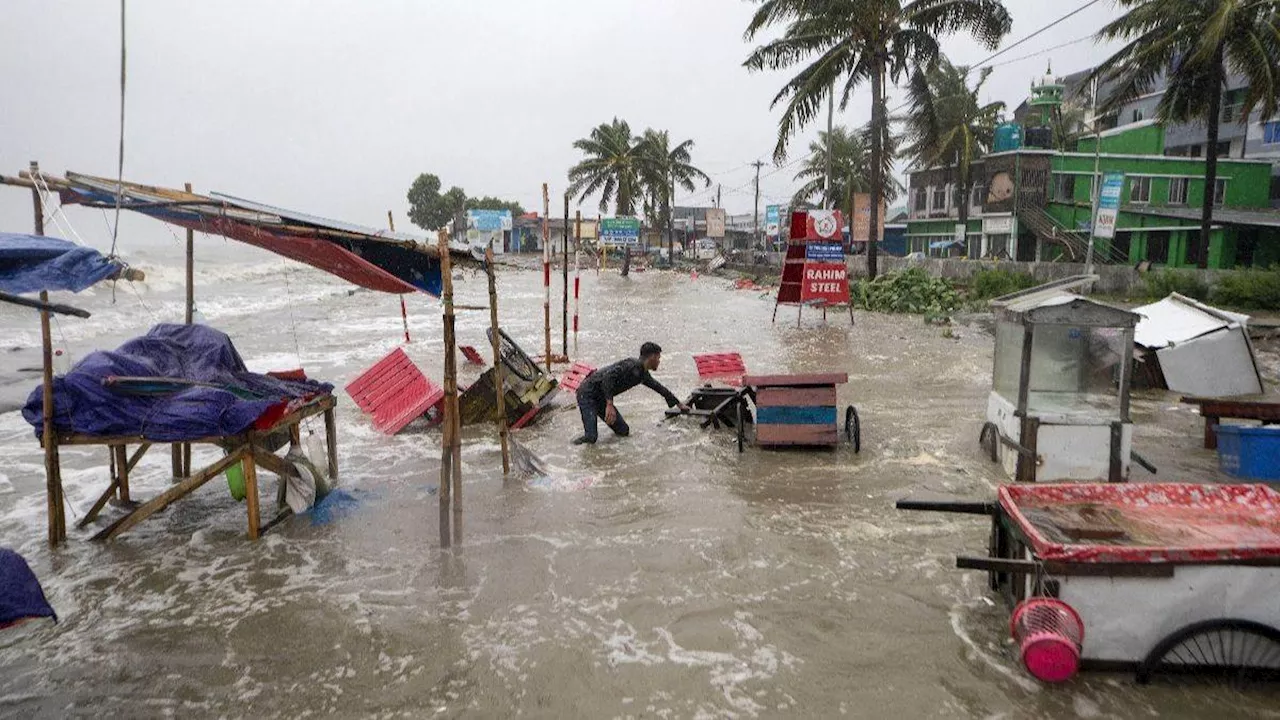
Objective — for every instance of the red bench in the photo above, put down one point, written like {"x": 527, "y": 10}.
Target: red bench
{"x": 573, "y": 378}
{"x": 395, "y": 392}
{"x": 727, "y": 368}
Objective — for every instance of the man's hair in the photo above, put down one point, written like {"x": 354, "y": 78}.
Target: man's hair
{"x": 649, "y": 348}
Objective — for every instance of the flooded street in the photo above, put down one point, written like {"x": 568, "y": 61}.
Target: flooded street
{"x": 661, "y": 575}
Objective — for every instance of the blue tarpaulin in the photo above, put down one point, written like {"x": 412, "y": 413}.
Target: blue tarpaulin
{"x": 31, "y": 263}
{"x": 227, "y": 401}
{"x": 21, "y": 597}
{"x": 939, "y": 244}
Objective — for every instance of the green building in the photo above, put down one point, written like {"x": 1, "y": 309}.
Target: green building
{"x": 1035, "y": 203}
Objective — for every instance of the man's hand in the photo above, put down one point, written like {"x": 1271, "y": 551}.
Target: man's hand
{"x": 683, "y": 408}
{"x": 610, "y": 414}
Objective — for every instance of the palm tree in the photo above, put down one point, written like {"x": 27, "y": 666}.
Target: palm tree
{"x": 851, "y": 168}
{"x": 663, "y": 169}
{"x": 612, "y": 167}
{"x": 857, "y": 41}
{"x": 1194, "y": 43}
{"x": 948, "y": 127}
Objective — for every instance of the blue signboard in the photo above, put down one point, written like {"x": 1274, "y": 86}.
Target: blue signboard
{"x": 1108, "y": 205}
{"x": 489, "y": 220}
{"x": 773, "y": 221}
{"x": 620, "y": 231}
{"x": 824, "y": 253}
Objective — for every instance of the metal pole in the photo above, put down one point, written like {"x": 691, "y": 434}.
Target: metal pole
{"x": 831, "y": 116}
{"x": 1095, "y": 184}
{"x": 577, "y": 274}
{"x": 755, "y": 218}
{"x": 546, "y": 274}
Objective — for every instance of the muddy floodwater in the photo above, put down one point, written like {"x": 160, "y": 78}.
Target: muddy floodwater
{"x": 661, "y": 575}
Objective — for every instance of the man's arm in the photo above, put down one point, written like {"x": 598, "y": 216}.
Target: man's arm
{"x": 657, "y": 387}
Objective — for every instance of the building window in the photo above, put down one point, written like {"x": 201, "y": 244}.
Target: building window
{"x": 978, "y": 196}
{"x": 1158, "y": 247}
{"x": 1178, "y": 191}
{"x": 1224, "y": 148}
{"x": 1197, "y": 150}
{"x": 1232, "y": 105}
{"x": 1271, "y": 132}
{"x": 1064, "y": 188}
{"x": 921, "y": 200}
{"x": 1219, "y": 191}
{"x": 939, "y": 199}
{"x": 1140, "y": 190}
{"x": 1138, "y": 115}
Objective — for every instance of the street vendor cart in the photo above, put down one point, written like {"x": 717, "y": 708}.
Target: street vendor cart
{"x": 1158, "y": 578}
{"x": 1059, "y": 403}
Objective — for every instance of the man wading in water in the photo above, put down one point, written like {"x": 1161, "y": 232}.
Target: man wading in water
{"x": 597, "y": 391}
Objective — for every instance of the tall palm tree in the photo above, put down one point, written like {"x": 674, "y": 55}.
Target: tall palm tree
{"x": 612, "y": 167}
{"x": 1194, "y": 43}
{"x": 662, "y": 169}
{"x": 851, "y": 168}
{"x": 857, "y": 41}
{"x": 948, "y": 126}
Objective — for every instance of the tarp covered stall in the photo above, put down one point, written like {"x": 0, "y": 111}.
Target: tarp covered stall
{"x": 1201, "y": 350}
{"x": 32, "y": 263}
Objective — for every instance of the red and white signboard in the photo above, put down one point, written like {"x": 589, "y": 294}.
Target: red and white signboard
{"x": 825, "y": 276}
{"x": 817, "y": 225}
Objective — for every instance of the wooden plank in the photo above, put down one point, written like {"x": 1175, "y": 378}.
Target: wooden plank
{"x": 251, "y": 494}
{"x": 98, "y": 505}
{"x": 167, "y": 497}
{"x": 773, "y": 397}
{"x": 796, "y": 416}
{"x": 142, "y": 450}
{"x": 122, "y": 472}
{"x": 797, "y": 435}
{"x": 795, "y": 380}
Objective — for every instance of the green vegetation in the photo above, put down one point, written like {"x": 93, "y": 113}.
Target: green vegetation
{"x": 988, "y": 284}
{"x": 906, "y": 291}
{"x": 431, "y": 209}
{"x": 850, "y": 170}
{"x": 1249, "y": 289}
{"x": 1160, "y": 284}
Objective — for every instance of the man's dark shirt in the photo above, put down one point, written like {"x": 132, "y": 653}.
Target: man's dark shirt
{"x": 613, "y": 380}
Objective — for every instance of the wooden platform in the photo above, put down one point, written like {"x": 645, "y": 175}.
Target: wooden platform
{"x": 1214, "y": 409}
{"x": 248, "y": 448}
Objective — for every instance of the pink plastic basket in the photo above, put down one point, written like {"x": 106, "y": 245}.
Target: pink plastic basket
{"x": 1050, "y": 635}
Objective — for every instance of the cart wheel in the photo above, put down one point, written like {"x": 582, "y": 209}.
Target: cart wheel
{"x": 853, "y": 428}
{"x": 514, "y": 357}
{"x": 742, "y": 426}
{"x": 989, "y": 440}
{"x": 1234, "y": 651}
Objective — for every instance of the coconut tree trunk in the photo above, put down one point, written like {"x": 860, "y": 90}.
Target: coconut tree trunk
{"x": 877, "y": 161}
{"x": 966, "y": 188}
{"x": 1211, "y": 156}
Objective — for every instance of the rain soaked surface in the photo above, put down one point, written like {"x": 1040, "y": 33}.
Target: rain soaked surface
{"x": 660, "y": 575}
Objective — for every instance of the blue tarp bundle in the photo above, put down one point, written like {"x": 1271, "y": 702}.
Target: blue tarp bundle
{"x": 21, "y": 597}
{"x": 84, "y": 405}
{"x": 31, "y": 263}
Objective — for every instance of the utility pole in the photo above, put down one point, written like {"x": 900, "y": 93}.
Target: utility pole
{"x": 718, "y": 198}
{"x": 755, "y": 218}
{"x": 831, "y": 116}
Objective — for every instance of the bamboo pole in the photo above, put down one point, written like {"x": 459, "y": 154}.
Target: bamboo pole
{"x": 577, "y": 274}
{"x": 52, "y": 469}
{"x": 564, "y": 273}
{"x": 404, "y": 312}
{"x": 497, "y": 360}
{"x": 450, "y": 393}
{"x": 182, "y": 451}
{"x": 546, "y": 272}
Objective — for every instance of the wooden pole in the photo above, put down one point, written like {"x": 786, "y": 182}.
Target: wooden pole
{"x": 577, "y": 274}
{"x": 450, "y": 393}
{"x": 404, "y": 312}
{"x": 497, "y": 360}
{"x": 565, "y": 277}
{"x": 191, "y": 264}
{"x": 546, "y": 272}
{"x": 52, "y": 471}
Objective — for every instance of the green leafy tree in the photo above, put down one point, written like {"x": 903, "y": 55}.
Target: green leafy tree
{"x": 611, "y": 166}
{"x": 1194, "y": 43}
{"x": 850, "y": 169}
{"x": 663, "y": 169}
{"x": 493, "y": 203}
{"x": 429, "y": 209}
{"x": 948, "y": 127}
{"x": 842, "y": 44}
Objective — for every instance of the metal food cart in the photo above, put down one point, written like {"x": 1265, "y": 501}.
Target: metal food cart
{"x": 1059, "y": 403}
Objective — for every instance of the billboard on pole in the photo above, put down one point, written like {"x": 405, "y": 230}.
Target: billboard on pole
{"x": 485, "y": 227}
{"x": 620, "y": 231}
{"x": 715, "y": 222}
{"x": 1104, "y": 225}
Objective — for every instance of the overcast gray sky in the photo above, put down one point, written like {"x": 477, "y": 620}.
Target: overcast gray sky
{"x": 334, "y": 106}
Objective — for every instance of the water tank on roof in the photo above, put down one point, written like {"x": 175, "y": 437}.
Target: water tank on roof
{"x": 1039, "y": 137}
{"x": 1008, "y": 137}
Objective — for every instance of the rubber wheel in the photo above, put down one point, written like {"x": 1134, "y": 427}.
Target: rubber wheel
{"x": 514, "y": 357}
{"x": 1235, "y": 652}
{"x": 989, "y": 440}
{"x": 853, "y": 428}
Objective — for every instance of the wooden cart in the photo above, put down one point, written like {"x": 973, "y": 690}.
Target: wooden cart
{"x": 790, "y": 411}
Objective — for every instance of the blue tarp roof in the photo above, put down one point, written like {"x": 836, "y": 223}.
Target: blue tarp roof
{"x": 31, "y": 263}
